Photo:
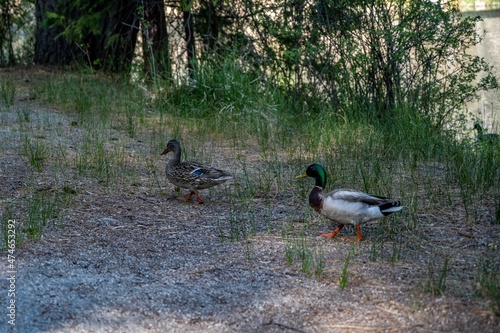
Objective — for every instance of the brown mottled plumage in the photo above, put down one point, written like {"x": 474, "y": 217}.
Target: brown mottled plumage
{"x": 193, "y": 176}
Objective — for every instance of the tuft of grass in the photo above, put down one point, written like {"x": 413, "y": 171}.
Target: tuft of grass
{"x": 436, "y": 278}
{"x": 290, "y": 253}
{"x": 389, "y": 241}
{"x": 344, "y": 275}
{"x": 7, "y": 91}
{"x": 248, "y": 250}
{"x": 43, "y": 207}
{"x": 312, "y": 261}
{"x": 488, "y": 282}
{"x": 242, "y": 224}
{"x": 36, "y": 151}
{"x": 475, "y": 171}
{"x": 23, "y": 116}
{"x": 99, "y": 158}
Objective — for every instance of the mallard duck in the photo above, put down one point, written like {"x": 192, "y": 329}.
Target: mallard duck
{"x": 484, "y": 137}
{"x": 191, "y": 175}
{"x": 345, "y": 206}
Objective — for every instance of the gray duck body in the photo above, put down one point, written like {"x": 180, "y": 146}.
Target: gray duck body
{"x": 346, "y": 206}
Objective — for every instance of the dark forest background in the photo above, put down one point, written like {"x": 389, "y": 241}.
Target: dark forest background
{"x": 366, "y": 56}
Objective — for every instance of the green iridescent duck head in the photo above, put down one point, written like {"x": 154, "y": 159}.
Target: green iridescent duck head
{"x": 317, "y": 172}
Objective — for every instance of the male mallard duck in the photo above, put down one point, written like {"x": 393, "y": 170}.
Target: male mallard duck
{"x": 345, "y": 206}
{"x": 191, "y": 175}
{"x": 484, "y": 137}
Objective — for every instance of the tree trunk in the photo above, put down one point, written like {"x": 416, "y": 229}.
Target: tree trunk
{"x": 155, "y": 42}
{"x": 211, "y": 24}
{"x": 189, "y": 36}
{"x": 110, "y": 48}
{"x": 49, "y": 48}
{"x": 7, "y": 57}
{"x": 113, "y": 49}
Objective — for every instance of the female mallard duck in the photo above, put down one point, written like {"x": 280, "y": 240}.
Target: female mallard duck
{"x": 345, "y": 206}
{"x": 191, "y": 175}
{"x": 484, "y": 137}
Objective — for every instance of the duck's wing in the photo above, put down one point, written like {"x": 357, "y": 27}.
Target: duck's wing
{"x": 198, "y": 170}
{"x": 355, "y": 196}
{"x": 355, "y": 207}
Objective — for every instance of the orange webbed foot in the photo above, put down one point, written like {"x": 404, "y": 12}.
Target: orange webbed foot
{"x": 186, "y": 198}
{"x": 333, "y": 233}
{"x": 200, "y": 200}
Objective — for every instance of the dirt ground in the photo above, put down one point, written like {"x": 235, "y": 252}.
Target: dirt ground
{"x": 128, "y": 257}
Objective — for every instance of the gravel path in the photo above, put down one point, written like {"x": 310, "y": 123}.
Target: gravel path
{"x": 129, "y": 259}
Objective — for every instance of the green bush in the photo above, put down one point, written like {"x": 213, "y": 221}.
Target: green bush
{"x": 370, "y": 56}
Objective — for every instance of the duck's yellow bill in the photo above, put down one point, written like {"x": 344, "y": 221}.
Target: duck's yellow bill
{"x": 304, "y": 175}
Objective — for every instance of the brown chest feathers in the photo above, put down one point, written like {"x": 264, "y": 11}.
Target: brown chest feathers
{"x": 315, "y": 199}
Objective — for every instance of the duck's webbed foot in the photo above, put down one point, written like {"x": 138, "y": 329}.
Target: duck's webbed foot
{"x": 200, "y": 200}
{"x": 186, "y": 198}
{"x": 334, "y": 232}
